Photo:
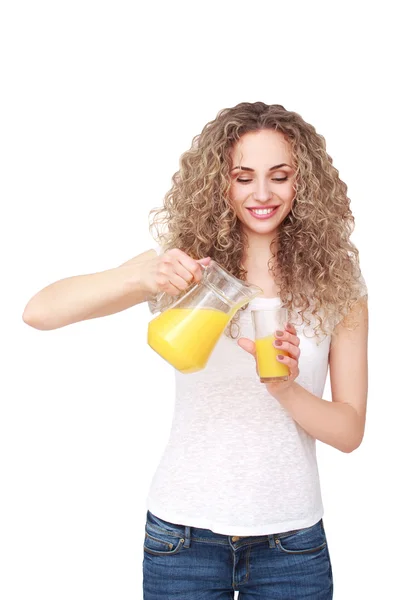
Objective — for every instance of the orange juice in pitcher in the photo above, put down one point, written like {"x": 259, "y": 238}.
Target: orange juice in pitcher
{"x": 186, "y": 333}
{"x": 186, "y": 336}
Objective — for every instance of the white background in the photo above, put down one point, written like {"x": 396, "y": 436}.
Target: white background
{"x": 98, "y": 101}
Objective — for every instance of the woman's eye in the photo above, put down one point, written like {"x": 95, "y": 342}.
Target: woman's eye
{"x": 249, "y": 180}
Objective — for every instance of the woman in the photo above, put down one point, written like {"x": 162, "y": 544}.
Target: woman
{"x": 235, "y": 503}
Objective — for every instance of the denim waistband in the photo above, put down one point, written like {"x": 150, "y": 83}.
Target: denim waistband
{"x": 207, "y": 535}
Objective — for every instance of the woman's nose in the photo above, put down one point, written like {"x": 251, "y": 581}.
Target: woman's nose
{"x": 262, "y": 192}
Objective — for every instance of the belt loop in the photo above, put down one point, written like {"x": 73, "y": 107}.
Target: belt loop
{"x": 187, "y": 542}
{"x": 272, "y": 543}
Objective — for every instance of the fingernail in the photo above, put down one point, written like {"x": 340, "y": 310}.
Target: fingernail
{"x": 278, "y": 343}
{"x": 280, "y": 356}
{"x": 279, "y": 333}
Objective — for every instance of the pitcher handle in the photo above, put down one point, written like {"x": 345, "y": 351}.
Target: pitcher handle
{"x": 154, "y": 304}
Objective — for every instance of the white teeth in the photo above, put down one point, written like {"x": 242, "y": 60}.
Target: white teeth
{"x": 262, "y": 211}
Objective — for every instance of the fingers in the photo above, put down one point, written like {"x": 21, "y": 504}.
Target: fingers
{"x": 291, "y": 328}
{"x": 291, "y": 363}
{"x": 188, "y": 263}
{"x": 176, "y": 271}
{"x": 179, "y": 262}
{"x": 288, "y": 337}
{"x": 247, "y": 345}
{"x": 180, "y": 271}
{"x": 288, "y": 340}
{"x": 170, "y": 289}
{"x": 179, "y": 282}
{"x": 204, "y": 261}
{"x": 292, "y": 349}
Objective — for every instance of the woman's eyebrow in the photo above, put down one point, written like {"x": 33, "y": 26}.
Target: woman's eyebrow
{"x": 271, "y": 168}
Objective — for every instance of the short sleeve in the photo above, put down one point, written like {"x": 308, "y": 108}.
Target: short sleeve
{"x": 362, "y": 286}
{"x": 360, "y": 291}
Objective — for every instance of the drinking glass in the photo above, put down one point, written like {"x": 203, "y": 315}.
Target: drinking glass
{"x": 266, "y": 322}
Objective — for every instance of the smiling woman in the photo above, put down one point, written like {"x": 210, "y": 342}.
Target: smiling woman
{"x": 258, "y": 193}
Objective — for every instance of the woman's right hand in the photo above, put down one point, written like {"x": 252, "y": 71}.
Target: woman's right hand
{"x": 172, "y": 272}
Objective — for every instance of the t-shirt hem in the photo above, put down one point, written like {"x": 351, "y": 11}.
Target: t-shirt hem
{"x": 230, "y": 529}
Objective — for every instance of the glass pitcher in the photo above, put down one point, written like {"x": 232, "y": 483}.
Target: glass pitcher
{"x": 186, "y": 333}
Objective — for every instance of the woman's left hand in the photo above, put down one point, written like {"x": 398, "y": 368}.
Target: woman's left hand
{"x": 291, "y": 344}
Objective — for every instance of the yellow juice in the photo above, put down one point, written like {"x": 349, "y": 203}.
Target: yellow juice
{"x": 185, "y": 337}
{"x": 267, "y": 363}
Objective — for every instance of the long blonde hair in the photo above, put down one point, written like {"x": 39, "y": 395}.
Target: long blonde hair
{"x": 317, "y": 265}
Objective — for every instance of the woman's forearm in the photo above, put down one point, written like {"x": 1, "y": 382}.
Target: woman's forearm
{"x": 334, "y": 423}
{"x": 83, "y": 297}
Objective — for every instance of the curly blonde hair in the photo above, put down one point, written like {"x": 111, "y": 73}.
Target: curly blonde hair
{"x": 317, "y": 266}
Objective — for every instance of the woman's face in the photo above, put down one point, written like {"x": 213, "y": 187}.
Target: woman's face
{"x": 262, "y": 181}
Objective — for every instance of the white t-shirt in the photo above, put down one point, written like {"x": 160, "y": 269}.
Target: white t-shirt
{"x": 236, "y": 462}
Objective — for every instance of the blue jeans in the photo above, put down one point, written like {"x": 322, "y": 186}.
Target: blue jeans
{"x": 188, "y": 563}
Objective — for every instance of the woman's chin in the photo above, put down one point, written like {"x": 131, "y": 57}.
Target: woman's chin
{"x": 260, "y": 229}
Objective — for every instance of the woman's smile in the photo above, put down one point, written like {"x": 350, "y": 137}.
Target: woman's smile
{"x": 263, "y": 213}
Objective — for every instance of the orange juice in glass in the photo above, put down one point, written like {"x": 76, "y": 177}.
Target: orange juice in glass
{"x": 266, "y": 322}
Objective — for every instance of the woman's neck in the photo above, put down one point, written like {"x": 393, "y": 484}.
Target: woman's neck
{"x": 257, "y": 261}
{"x": 258, "y": 252}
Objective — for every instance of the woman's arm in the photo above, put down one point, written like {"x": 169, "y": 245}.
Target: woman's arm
{"x": 84, "y": 297}
{"x": 340, "y": 423}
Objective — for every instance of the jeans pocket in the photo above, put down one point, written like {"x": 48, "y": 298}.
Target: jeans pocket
{"x": 160, "y": 538}
{"x": 303, "y": 541}
{"x": 160, "y": 544}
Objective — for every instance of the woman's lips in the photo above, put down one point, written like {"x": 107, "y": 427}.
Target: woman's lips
{"x": 263, "y": 215}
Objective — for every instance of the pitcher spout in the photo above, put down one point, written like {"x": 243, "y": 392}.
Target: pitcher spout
{"x": 249, "y": 291}
{"x": 254, "y": 291}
